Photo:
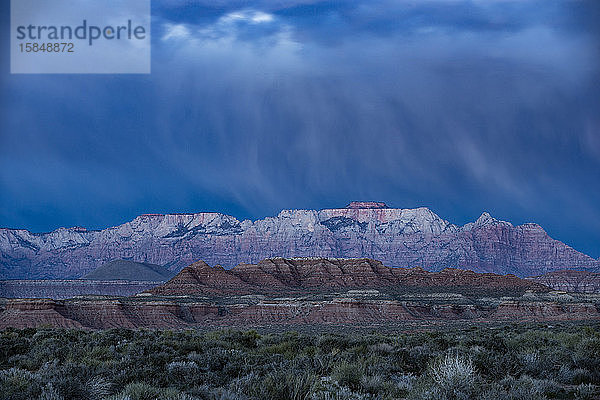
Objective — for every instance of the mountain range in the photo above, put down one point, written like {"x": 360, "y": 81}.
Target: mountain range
{"x": 397, "y": 237}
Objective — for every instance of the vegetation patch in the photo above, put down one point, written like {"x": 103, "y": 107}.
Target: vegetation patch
{"x": 514, "y": 362}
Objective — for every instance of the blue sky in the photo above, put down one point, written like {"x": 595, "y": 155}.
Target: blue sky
{"x": 253, "y": 107}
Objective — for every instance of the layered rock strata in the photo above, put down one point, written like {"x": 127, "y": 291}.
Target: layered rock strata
{"x": 326, "y": 275}
{"x": 181, "y": 313}
{"x": 571, "y": 281}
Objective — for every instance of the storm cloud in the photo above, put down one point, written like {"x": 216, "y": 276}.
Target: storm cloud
{"x": 252, "y": 107}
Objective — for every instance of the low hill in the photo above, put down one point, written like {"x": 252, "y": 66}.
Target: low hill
{"x": 66, "y": 289}
{"x": 129, "y": 271}
{"x": 301, "y": 275}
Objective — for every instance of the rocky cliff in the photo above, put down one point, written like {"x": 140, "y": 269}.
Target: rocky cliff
{"x": 397, "y": 237}
{"x": 570, "y": 281}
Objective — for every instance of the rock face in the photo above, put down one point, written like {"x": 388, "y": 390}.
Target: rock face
{"x": 570, "y": 281}
{"x": 397, "y": 237}
{"x": 309, "y": 275}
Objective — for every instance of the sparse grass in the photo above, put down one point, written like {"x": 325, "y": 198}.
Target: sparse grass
{"x": 515, "y": 362}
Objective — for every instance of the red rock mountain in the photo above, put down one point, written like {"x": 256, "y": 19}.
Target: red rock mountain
{"x": 397, "y": 237}
{"x": 305, "y": 275}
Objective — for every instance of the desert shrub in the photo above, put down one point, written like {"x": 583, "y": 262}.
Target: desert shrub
{"x": 453, "y": 377}
{"x": 330, "y": 343}
{"x": 322, "y": 363}
{"x": 213, "y": 359}
{"x": 531, "y": 361}
{"x": 419, "y": 357}
{"x": 328, "y": 389}
{"x": 586, "y": 392}
{"x": 182, "y": 373}
{"x": 381, "y": 348}
{"x": 519, "y": 389}
{"x": 341, "y": 394}
{"x": 586, "y": 354}
{"x": 373, "y": 384}
{"x": 144, "y": 391}
{"x": 289, "y": 344}
{"x": 97, "y": 388}
{"x": 234, "y": 339}
{"x": 289, "y": 386}
{"x": 575, "y": 376}
{"x": 277, "y": 385}
{"x": 404, "y": 382}
{"x": 348, "y": 374}
{"x": 74, "y": 380}
{"x": 50, "y": 393}
{"x": 17, "y": 384}
{"x": 12, "y": 344}
{"x": 224, "y": 394}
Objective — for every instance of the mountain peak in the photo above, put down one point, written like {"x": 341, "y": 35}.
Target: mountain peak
{"x": 487, "y": 219}
{"x": 366, "y": 204}
{"x": 484, "y": 219}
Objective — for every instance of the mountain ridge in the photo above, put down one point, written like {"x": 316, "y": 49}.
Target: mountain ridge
{"x": 398, "y": 237}
{"x": 293, "y": 276}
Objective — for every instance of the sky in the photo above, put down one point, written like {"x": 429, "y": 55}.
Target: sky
{"x": 253, "y": 107}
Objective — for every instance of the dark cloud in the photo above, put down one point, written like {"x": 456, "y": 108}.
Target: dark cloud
{"x": 459, "y": 106}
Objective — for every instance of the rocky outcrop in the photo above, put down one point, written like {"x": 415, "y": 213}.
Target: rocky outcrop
{"x": 326, "y": 275}
{"x": 28, "y": 313}
{"x": 570, "y": 281}
{"x": 397, "y": 237}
